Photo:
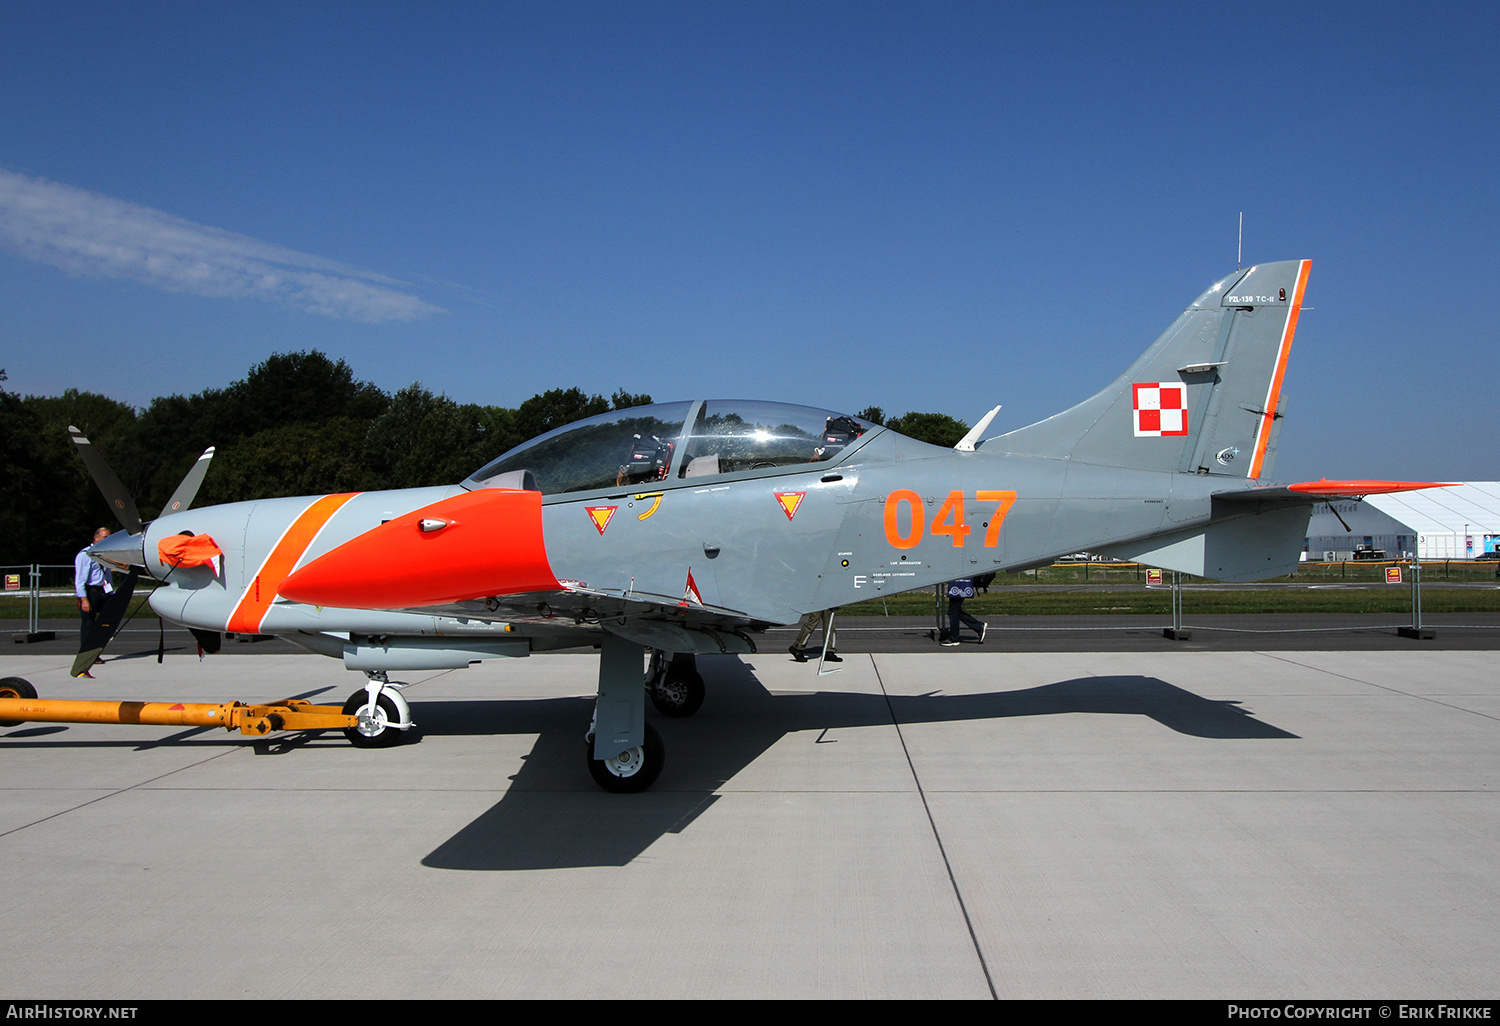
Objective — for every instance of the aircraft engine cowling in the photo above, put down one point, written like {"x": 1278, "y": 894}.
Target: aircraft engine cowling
{"x": 480, "y": 543}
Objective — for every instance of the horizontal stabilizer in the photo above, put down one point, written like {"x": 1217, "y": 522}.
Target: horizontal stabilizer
{"x": 1327, "y": 491}
{"x": 1248, "y": 547}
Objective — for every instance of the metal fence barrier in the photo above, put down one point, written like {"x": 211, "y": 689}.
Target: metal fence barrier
{"x": 33, "y": 579}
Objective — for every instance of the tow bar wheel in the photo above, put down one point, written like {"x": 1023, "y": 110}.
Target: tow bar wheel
{"x": 15, "y": 687}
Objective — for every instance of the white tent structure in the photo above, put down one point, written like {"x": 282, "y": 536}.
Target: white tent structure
{"x": 1462, "y": 522}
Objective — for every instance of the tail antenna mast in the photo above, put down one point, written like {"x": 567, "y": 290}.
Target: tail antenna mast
{"x": 1239, "y": 255}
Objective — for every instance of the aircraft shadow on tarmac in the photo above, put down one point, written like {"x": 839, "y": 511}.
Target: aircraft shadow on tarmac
{"x": 551, "y": 817}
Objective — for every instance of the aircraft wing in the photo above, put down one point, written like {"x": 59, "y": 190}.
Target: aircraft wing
{"x": 677, "y": 624}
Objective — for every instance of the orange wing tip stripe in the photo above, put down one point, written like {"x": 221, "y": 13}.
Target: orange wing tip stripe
{"x": 1326, "y": 487}
{"x": 491, "y": 544}
{"x": 251, "y": 611}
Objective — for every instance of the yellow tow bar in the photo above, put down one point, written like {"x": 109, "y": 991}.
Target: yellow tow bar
{"x": 288, "y": 714}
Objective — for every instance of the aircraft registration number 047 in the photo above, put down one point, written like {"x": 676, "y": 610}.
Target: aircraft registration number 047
{"x": 949, "y": 519}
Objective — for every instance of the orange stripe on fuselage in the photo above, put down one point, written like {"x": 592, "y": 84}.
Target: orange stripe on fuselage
{"x": 1273, "y": 394}
{"x": 247, "y": 616}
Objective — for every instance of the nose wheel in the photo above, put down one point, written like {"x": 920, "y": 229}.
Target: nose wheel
{"x": 633, "y": 770}
{"x": 376, "y": 728}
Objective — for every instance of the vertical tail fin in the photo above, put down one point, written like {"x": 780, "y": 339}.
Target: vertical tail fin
{"x": 1202, "y": 400}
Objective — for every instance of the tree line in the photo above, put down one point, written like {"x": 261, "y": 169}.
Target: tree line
{"x": 296, "y": 424}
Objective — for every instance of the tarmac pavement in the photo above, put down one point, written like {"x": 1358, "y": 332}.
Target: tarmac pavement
{"x": 960, "y": 823}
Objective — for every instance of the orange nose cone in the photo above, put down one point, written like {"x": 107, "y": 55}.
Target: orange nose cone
{"x": 480, "y": 543}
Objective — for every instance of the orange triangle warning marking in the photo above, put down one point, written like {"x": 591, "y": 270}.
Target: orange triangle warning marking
{"x": 600, "y": 515}
{"x": 789, "y": 502}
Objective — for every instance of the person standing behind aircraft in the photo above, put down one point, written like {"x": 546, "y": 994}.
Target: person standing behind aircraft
{"x": 809, "y": 623}
{"x": 958, "y": 590}
{"x": 90, "y": 586}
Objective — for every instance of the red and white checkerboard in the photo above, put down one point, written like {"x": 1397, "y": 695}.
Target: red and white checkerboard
{"x": 1160, "y": 408}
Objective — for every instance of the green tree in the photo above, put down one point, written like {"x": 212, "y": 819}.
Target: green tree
{"x": 427, "y": 439}
{"x": 293, "y": 459}
{"x": 74, "y": 505}
{"x": 554, "y": 408}
{"x": 44, "y": 514}
{"x": 933, "y": 428}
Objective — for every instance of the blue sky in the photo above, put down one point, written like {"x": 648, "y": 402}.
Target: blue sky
{"x": 934, "y": 206}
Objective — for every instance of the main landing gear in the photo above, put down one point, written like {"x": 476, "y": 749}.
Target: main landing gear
{"x": 625, "y": 754}
{"x": 675, "y": 686}
{"x": 632, "y": 770}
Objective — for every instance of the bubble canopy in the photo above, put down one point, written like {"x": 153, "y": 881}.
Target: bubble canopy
{"x": 670, "y": 442}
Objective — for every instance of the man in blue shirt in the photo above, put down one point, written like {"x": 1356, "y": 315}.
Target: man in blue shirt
{"x": 90, "y": 585}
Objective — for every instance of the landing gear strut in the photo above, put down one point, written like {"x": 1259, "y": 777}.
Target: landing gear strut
{"x": 624, "y": 753}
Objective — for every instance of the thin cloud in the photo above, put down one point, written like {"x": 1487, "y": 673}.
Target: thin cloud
{"x": 85, "y": 233}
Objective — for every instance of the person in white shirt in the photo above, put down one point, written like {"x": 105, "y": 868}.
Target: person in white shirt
{"x": 91, "y": 585}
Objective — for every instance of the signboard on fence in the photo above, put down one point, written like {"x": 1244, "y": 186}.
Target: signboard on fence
{"x": 12, "y": 582}
{"x": 1153, "y": 576}
{"x": 1393, "y": 575}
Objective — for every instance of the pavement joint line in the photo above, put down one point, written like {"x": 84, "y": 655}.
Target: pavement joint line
{"x": 1382, "y": 687}
{"x": 117, "y": 791}
{"x": 958, "y": 896}
{"x": 721, "y": 792}
{"x": 996, "y": 628}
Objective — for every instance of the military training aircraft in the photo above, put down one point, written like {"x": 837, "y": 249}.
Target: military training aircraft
{"x": 684, "y": 528}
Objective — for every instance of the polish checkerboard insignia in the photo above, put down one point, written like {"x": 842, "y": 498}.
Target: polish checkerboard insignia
{"x": 1160, "y": 409}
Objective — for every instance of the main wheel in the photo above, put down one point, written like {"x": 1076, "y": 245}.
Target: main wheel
{"x": 376, "y": 731}
{"x": 678, "y": 693}
{"x": 15, "y": 687}
{"x": 634, "y": 769}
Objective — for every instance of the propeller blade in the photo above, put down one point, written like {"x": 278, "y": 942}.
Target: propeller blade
{"x": 105, "y": 625}
{"x": 114, "y": 492}
{"x": 182, "y": 498}
{"x": 209, "y": 641}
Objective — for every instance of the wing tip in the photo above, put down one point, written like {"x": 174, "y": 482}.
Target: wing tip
{"x": 1324, "y": 486}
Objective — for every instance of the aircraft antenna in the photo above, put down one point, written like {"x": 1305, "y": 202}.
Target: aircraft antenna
{"x": 1239, "y": 254}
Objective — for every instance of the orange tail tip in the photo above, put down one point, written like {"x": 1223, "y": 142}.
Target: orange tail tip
{"x": 1350, "y": 488}
{"x": 469, "y": 546}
